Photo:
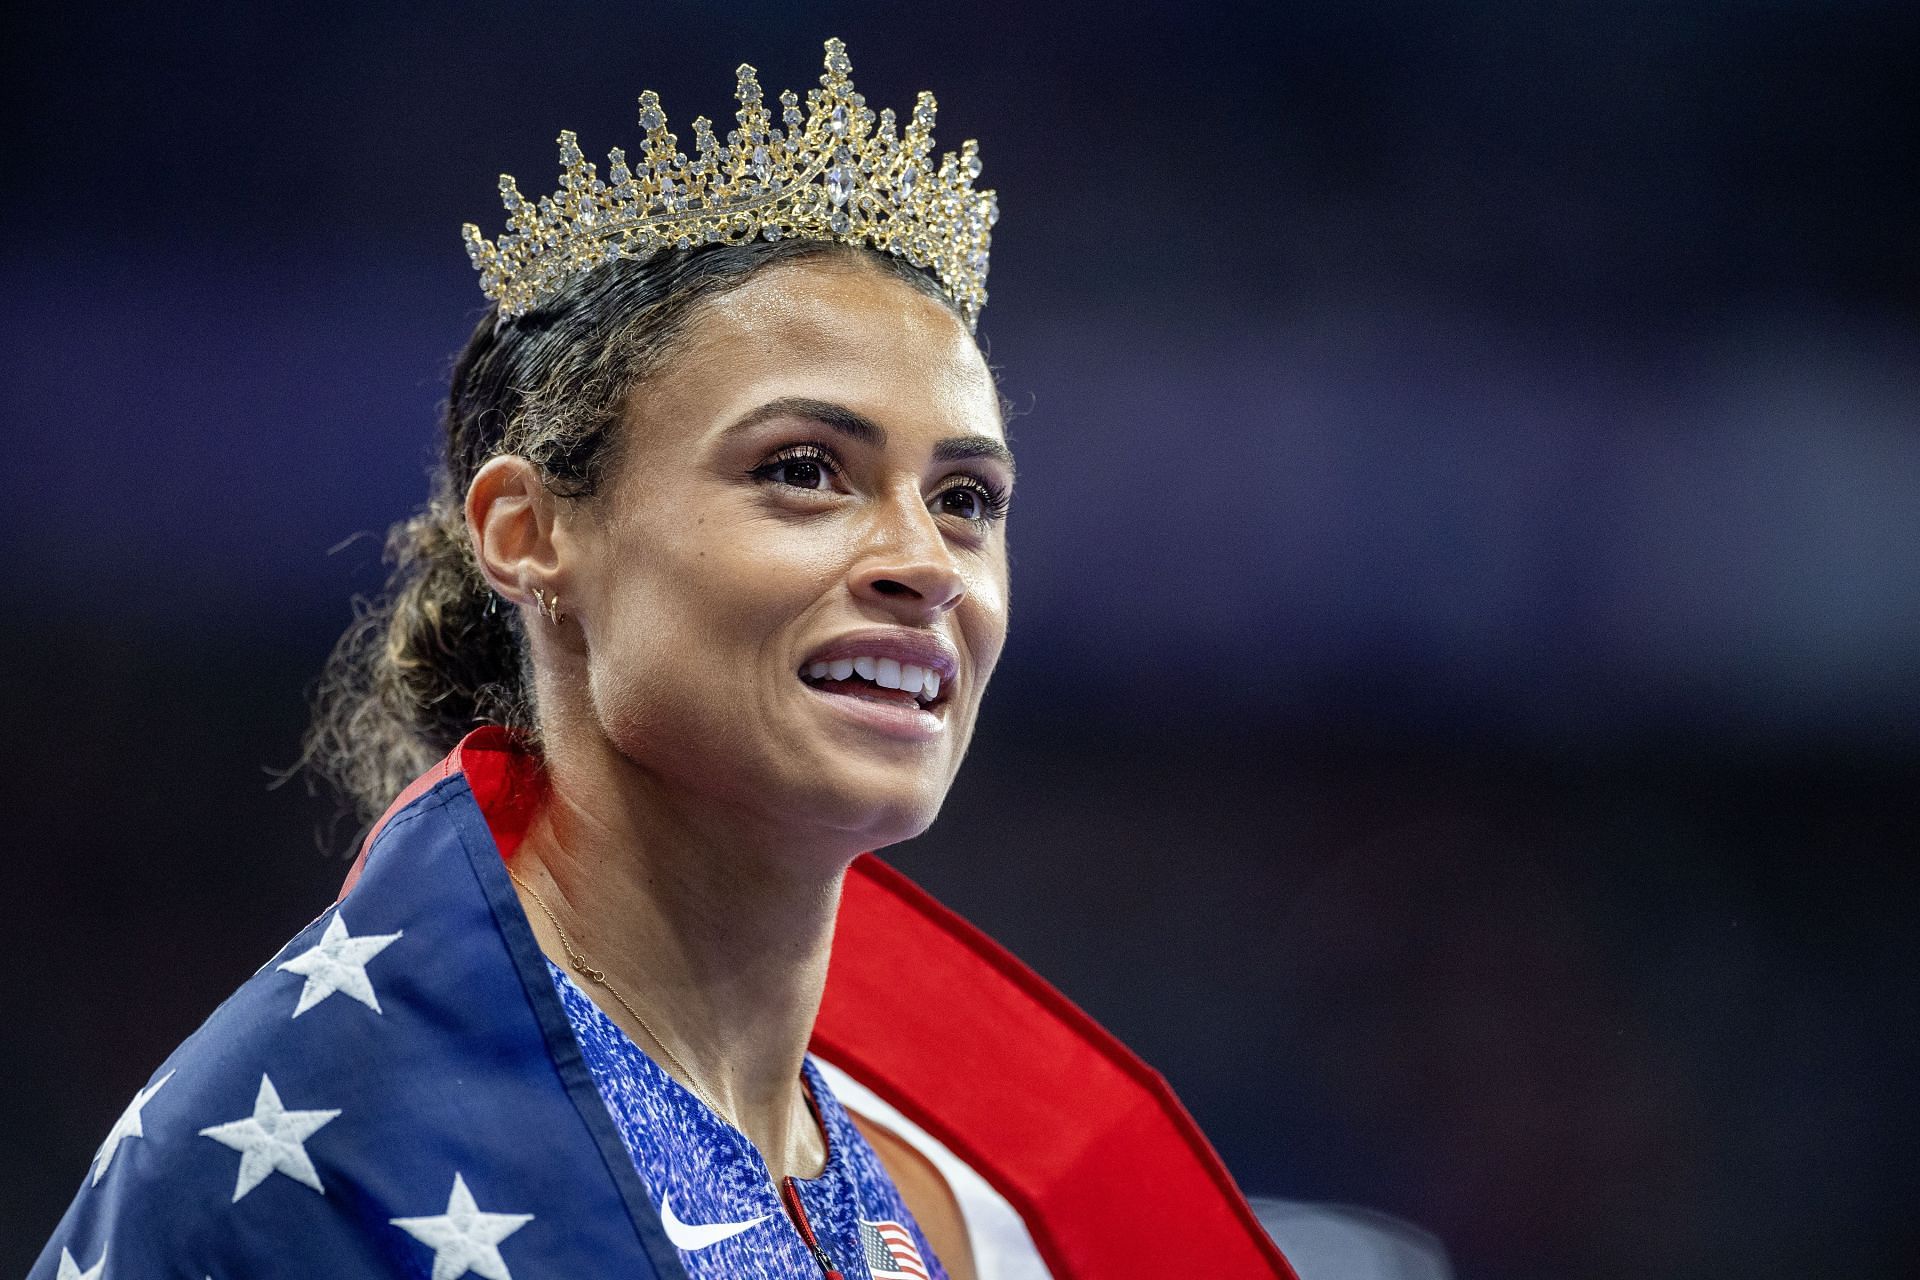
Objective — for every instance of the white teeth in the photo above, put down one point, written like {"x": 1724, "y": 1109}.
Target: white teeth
{"x": 888, "y": 673}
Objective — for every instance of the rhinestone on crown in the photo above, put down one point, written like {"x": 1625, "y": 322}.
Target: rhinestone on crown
{"x": 838, "y": 172}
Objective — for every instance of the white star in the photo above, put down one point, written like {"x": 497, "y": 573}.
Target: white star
{"x": 127, "y": 1126}
{"x": 464, "y": 1239}
{"x": 70, "y": 1270}
{"x": 338, "y": 963}
{"x": 270, "y": 1140}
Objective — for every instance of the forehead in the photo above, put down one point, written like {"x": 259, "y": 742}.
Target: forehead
{"x": 827, "y": 330}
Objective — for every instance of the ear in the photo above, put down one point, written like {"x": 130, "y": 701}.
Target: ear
{"x": 510, "y": 517}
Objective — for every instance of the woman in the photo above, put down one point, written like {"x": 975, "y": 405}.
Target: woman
{"x": 704, "y": 606}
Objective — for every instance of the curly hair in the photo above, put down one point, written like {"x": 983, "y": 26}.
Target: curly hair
{"x": 436, "y": 654}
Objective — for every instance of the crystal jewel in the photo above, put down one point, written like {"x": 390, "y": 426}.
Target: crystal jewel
{"x": 832, "y": 175}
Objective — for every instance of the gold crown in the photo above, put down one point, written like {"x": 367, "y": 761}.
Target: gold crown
{"x": 838, "y": 173}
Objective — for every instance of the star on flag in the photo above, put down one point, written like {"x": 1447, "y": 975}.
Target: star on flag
{"x": 338, "y": 962}
{"x": 70, "y": 1270}
{"x": 463, "y": 1238}
{"x": 271, "y": 1140}
{"x": 127, "y": 1126}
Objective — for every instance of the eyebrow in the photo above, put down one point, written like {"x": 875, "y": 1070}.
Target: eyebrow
{"x": 857, "y": 426}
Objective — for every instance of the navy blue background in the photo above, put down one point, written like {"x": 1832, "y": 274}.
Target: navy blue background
{"x": 1462, "y": 715}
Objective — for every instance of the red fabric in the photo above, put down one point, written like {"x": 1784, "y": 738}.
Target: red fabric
{"x": 1087, "y": 1143}
{"x": 506, "y": 781}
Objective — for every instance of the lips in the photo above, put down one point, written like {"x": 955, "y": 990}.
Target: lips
{"x": 892, "y": 713}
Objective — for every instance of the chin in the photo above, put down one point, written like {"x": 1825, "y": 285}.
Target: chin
{"x": 873, "y": 813}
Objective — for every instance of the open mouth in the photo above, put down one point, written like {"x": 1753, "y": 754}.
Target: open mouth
{"x": 877, "y": 680}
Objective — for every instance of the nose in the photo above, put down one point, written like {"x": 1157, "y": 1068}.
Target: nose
{"x": 907, "y": 566}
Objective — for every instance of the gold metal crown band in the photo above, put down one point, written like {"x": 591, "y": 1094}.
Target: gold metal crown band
{"x": 837, "y": 173}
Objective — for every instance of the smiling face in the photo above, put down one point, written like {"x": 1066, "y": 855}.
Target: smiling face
{"x": 817, "y": 474}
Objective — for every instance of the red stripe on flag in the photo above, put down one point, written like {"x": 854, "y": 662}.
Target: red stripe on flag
{"x": 899, "y": 1242}
{"x": 1059, "y": 1116}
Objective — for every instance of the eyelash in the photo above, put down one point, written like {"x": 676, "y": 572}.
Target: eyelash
{"x": 994, "y": 498}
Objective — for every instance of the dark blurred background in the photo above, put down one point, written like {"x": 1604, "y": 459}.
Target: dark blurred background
{"x": 1462, "y": 717}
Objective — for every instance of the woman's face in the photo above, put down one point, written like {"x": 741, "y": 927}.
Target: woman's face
{"x": 818, "y": 473}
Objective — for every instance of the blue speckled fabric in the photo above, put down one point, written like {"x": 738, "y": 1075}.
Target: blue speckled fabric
{"x": 711, "y": 1174}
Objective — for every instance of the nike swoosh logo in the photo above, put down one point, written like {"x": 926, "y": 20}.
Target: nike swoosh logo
{"x": 691, "y": 1237}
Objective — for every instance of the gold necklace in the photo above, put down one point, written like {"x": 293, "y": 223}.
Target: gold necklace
{"x": 587, "y": 971}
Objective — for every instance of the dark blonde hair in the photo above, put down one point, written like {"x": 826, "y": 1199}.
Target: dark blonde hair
{"x": 437, "y": 654}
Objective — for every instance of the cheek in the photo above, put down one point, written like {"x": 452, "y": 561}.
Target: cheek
{"x": 985, "y": 620}
{"x": 696, "y": 625}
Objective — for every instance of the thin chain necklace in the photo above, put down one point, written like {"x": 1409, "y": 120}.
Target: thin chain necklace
{"x": 587, "y": 971}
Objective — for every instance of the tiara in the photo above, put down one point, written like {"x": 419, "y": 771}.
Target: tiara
{"x": 837, "y": 173}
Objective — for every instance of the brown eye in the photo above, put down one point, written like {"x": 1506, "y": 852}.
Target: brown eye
{"x": 973, "y": 501}
{"x": 964, "y": 502}
{"x": 801, "y": 467}
{"x": 801, "y": 473}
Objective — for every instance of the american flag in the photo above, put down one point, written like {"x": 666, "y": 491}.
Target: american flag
{"x": 890, "y": 1251}
{"x": 399, "y": 1092}
{"x": 378, "y": 1100}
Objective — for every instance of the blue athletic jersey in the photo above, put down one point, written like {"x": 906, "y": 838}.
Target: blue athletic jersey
{"x": 718, "y": 1202}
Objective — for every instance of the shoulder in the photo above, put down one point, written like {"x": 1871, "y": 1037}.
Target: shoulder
{"x": 383, "y": 1081}
{"x": 227, "y": 1144}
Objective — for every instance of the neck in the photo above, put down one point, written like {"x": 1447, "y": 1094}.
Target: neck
{"x": 715, "y": 930}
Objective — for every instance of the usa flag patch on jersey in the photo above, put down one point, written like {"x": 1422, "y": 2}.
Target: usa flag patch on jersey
{"x": 890, "y": 1252}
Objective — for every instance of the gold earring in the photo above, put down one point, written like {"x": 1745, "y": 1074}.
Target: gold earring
{"x": 549, "y": 609}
